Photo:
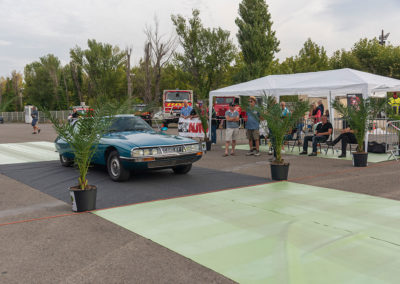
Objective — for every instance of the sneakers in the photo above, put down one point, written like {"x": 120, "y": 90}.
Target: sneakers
{"x": 342, "y": 156}
{"x": 249, "y": 153}
{"x": 313, "y": 154}
{"x": 270, "y": 152}
{"x": 257, "y": 153}
{"x": 303, "y": 153}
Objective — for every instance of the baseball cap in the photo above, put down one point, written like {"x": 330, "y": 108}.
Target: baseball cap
{"x": 252, "y": 98}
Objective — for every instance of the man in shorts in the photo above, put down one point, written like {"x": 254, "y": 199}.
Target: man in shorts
{"x": 252, "y": 126}
{"x": 232, "y": 129}
{"x": 35, "y": 118}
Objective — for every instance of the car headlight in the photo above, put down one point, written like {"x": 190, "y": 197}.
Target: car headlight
{"x": 192, "y": 148}
{"x": 137, "y": 153}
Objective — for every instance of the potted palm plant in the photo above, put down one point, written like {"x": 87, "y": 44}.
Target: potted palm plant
{"x": 279, "y": 125}
{"x": 83, "y": 136}
{"x": 357, "y": 117}
{"x": 202, "y": 114}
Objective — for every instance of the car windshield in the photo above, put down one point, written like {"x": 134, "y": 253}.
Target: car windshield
{"x": 177, "y": 96}
{"x": 224, "y": 100}
{"x": 129, "y": 124}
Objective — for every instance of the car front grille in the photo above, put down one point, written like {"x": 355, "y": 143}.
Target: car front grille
{"x": 171, "y": 162}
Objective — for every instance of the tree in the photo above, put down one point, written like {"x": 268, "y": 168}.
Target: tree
{"x": 207, "y": 53}
{"x": 16, "y": 79}
{"x": 256, "y": 38}
{"x": 51, "y": 65}
{"x": 162, "y": 51}
{"x": 128, "y": 52}
{"x": 104, "y": 67}
{"x": 311, "y": 58}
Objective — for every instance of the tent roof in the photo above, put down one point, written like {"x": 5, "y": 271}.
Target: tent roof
{"x": 338, "y": 82}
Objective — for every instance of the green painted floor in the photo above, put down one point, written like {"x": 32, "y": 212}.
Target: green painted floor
{"x": 372, "y": 157}
{"x": 277, "y": 233}
{"x": 13, "y": 153}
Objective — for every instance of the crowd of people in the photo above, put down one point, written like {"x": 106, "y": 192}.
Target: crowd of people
{"x": 320, "y": 130}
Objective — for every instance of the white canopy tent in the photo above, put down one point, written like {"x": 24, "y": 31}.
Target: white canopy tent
{"x": 327, "y": 84}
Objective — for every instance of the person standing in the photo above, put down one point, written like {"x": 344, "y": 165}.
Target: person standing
{"x": 214, "y": 125}
{"x": 232, "y": 128}
{"x": 35, "y": 118}
{"x": 186, "y": 110}
{"x": 252, "y": 127}
{"x": 321, "y": 107}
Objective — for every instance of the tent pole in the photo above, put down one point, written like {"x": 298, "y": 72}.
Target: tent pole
{"x": 365, "y": 95}
{"x": 210, "y": 108}
{"x": 331, "y": 116}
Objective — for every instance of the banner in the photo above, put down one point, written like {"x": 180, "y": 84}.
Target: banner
{"x": 353, "y": 99}
{"x": 190, "y": 127}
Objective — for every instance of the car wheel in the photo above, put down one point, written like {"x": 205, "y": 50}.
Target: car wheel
{"x": 181, "y": 170}
{"x": 66, "y": 162}
{"x": 116, "y": 170}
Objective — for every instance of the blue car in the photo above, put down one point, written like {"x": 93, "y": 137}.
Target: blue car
{"x": 131, "y": 144}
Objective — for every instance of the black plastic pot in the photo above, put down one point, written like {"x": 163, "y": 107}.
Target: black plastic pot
{"x": 279, "y": 172}
{"x": 360, "y": 159}
{"x": 208, "y": 145}
{"x": 83, "y": 200}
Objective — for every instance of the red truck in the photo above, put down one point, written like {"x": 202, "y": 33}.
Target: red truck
{"x": 173, "y": 102}
{"x": 221, "y": 105}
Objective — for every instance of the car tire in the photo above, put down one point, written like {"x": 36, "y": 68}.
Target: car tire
{"x": 66, "y": 162}
{"x": 181, "y": 170}
{"x": 115, "y": 169}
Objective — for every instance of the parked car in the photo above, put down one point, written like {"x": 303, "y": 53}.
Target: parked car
{"x": 144, "y": 112}
{"x": 132, "y": 144}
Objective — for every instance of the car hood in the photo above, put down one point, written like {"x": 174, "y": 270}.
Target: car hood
{"x": 146, "y": 139}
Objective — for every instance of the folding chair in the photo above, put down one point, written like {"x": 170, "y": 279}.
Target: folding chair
{"x": 296, "y": 139}
{"x": 394, "y": 152}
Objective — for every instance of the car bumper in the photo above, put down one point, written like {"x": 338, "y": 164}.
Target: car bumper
{"x": 160, "y": 162}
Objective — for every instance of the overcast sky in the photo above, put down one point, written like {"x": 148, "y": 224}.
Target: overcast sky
{"x": 31, "y": 29}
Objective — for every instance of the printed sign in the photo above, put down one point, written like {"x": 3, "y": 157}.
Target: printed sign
{"x": 190, "y": 128}
{"x": 353, "y": 99}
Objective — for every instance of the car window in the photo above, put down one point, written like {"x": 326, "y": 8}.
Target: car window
{"x": 177, "y": 96}
{"x": 129, "y": 124}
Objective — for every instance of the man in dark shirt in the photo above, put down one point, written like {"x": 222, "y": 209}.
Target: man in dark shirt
{"x": 347, "y": 136}
{"x": 324, "y": 130}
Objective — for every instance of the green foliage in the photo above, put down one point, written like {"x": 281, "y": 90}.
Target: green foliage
{"x": 207, "y": 53}
{"x": 203, "y": 116}
{"x": 256, "y": 39}
{"x": 5, "y": 103}
{"x": 311, "y": 58}
{"x": 84, "y": 136}
{"x": 369, "y": 56}
{"x": 278, "y": 125}
{"x": 104, "y": 68}
{"x": 357, "y": 116}
{"x": 43, "y": 84}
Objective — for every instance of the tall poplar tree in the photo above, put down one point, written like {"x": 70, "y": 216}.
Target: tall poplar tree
{"x": 256, "y": 39}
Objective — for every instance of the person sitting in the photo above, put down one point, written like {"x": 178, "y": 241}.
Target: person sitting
{"x": 347, "y": 136}
{"x": 323, "y": 131}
